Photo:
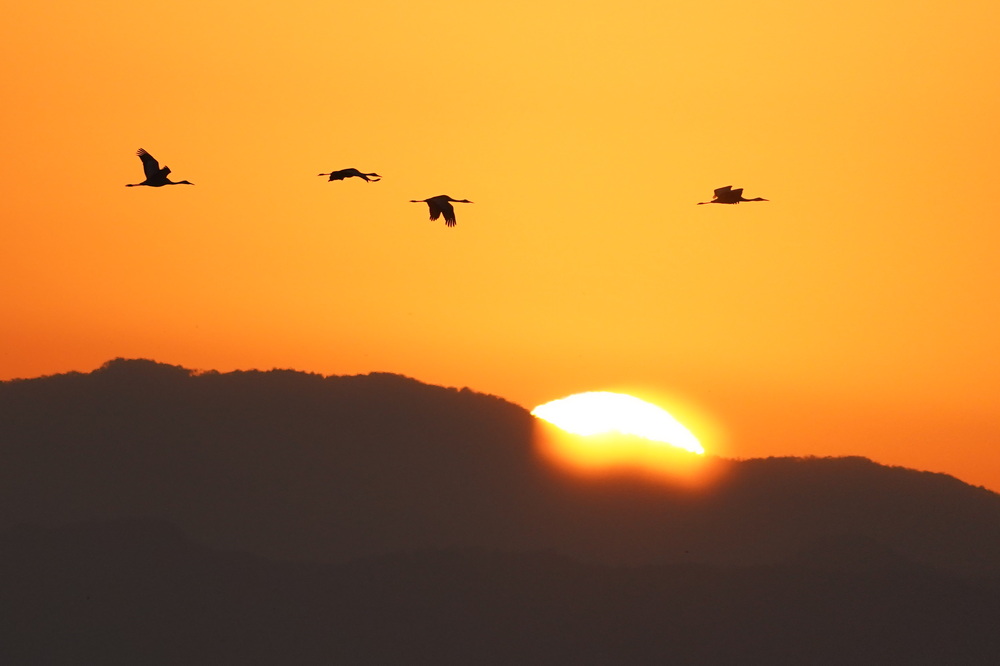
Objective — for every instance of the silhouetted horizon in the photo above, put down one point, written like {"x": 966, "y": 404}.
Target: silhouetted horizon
{"x": 300, "y": 466}
{"x": 153, "y": 514}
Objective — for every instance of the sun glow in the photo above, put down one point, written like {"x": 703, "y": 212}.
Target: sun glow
{"x": 602, "y": 412}
{"x": 601, "y": 433}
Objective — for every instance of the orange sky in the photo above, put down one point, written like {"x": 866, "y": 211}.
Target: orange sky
{"x": 856, "y": 312}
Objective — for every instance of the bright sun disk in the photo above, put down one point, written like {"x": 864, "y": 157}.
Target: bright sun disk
{"x": 601, "y": 412}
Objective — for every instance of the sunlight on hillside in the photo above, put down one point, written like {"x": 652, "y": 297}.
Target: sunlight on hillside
{"x": 613, "y": 455}
{"x": 610, "y": 434}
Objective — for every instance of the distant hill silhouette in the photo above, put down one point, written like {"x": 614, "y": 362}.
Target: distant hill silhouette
{"x": 298, "y": 466}
{"x": 153, "y": 515}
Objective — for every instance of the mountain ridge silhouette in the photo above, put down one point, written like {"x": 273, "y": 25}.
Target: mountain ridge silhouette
{"x": 297, "y": 466}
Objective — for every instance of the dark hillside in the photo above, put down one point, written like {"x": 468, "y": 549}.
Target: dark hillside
{"x": 140, "y": 593}
{"x": 298, "y": 466}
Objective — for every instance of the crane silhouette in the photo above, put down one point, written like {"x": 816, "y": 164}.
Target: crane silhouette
{"x": 352, "y": 173}
{"x": 441, "y": 205}
{"x": 727, "y": 195}
{"x": 155, "y": 176}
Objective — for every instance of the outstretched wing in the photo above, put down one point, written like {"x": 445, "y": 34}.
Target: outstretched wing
{"x": 723, "y": 191}
{"x": 436, "y": 209}
{"x": 449, "y": 213}
{"x": 149, "y": 164}
{"x": 738, "y": 194}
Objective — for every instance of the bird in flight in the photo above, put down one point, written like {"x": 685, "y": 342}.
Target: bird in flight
{"x": 352, "y": 173}
{"x": 727, "y": 195}
{"x": 155, "y": 176}
{"x": 441, "y": 205}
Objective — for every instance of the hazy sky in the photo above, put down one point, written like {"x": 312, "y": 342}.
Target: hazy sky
{"x": 856, "y": 312}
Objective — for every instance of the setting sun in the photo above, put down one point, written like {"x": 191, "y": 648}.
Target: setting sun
{"x": 602, "y": 412}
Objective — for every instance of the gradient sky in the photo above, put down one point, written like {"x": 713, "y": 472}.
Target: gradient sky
{"x": 856, "y": 312}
